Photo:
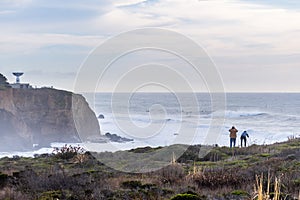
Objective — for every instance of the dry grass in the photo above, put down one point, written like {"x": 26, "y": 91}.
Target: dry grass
{"x": 12, "y": 194}
{"x": 261, "y": 194}
{"x": 80, "y": 158}
{"x": 292, "y": 137}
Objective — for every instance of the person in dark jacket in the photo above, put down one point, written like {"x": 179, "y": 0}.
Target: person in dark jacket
{"x": 244, "y": 138}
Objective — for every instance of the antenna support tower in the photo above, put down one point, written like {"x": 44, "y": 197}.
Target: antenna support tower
{"x": 18, "y": 75}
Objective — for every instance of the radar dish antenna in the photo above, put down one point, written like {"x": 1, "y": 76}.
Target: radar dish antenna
{"x": 17, "y": 75}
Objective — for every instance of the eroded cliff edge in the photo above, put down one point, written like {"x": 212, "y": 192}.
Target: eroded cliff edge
{"x": 42, "y": 116}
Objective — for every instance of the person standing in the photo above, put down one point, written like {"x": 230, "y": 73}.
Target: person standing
{"x": 232, "y": 136}
{"x": 244, "y": 138}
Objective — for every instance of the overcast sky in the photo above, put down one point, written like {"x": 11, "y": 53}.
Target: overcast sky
{"x": 254, "y": 44}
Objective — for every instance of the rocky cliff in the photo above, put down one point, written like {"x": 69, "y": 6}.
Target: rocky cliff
{"x": 43, "y": 116}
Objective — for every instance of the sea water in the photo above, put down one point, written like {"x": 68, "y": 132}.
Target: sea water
{"x": 161, "y": 119}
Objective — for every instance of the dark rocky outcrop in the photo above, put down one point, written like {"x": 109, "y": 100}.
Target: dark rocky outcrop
{"x": 117, "y": 138}
{"x": 42, "y": 116}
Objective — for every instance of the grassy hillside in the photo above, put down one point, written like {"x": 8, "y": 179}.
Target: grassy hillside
{"x": 255, "y": 172}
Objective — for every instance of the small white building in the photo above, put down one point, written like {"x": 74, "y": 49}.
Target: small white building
{"x": 21, "y": 85}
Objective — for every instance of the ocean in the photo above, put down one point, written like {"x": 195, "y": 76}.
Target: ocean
{"x": 161, "y": 119}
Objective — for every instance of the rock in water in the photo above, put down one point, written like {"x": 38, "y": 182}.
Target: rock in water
{"x": 42, "y": 116}
{"x": 101, "y": 116}
{"x": 116, "y": 138}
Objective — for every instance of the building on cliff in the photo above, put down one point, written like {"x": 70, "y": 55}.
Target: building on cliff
{"x": 21, "y": 85}
{"x": 18, "y": 84}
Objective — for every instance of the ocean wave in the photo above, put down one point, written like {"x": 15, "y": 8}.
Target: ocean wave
{"x": 237, "y": 114}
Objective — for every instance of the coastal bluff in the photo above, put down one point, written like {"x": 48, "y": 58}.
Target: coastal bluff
{"x": 42, "y": 116}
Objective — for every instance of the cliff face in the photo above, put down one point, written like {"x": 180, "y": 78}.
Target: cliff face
{"x": 42, "y": 116}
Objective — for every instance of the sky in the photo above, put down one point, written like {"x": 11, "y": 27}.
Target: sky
{"x": 254, "y": 44}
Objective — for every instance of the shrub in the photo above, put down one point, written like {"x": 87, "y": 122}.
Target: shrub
{"x": 265, "y": 155}
{"x": 191, "y": 154}
{"x": 51, "y": 195}
{"x": 144, "y": 149}
{"x": 67, "y": 152}
{"x": 239, "y": 193}
{"x": 55, "y": 194}
{"x": 10, "y": 193}
{"x": 186, "y": 197}
{"x": 232, "y": 177}
{"x": 132, "y": 184}
{"x": 80, "y": 158}
{"x": 171, "y": 174}
{"x": 3, "y": 179}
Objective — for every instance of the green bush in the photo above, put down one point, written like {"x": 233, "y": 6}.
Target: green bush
{"x": 56, "y": 194}
{"x": 239, "y": 193}
{"x": 265, "y": 155}
{"x": 186, "y": 197}
{"x": 296, "y": 182}
{"x": 50, "y": 195}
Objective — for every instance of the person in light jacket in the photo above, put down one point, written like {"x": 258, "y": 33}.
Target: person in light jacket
{"x": 232, "y": 136}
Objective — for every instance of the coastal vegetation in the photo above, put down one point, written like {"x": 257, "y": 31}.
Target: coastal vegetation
{"x": 260, "y": 172}
{"x": 3, "y": 82}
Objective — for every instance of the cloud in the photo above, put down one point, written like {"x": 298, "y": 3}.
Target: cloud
{"x": 14, "y": 3}
{"x": 245, "y": 23}
{"x": 288, "y": 5}
{"x": 241, "y": 35}
{"x": 6, "y": 12}
{"x": 221, "y": 27}
{"x": 26, "y": 43}
{"x": 120, "y": 3}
